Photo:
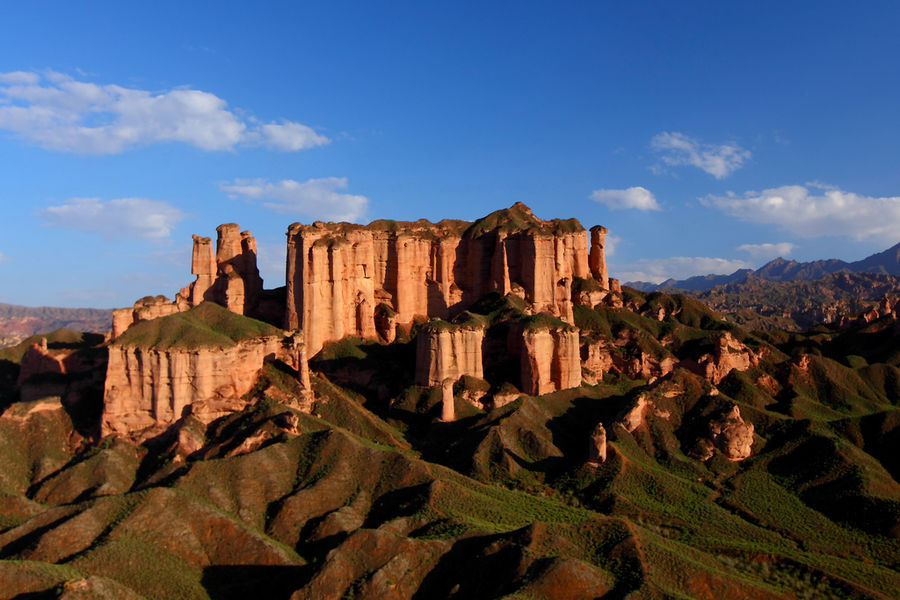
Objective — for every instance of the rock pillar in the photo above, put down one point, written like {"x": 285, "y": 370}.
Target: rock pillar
{"x": 448, "y": 410}
{"x": 597, "y": 256}
{"x": 597, "y": 447}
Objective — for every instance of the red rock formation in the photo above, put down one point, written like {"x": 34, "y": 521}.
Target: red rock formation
{"x": 147, "y": 387}
{"x": 728, "y": 355}
{"x": 148, "y": 307}
{"x": 597, "y": 447}
{"x": 596, "y": 359}
{"x": 549, "y": 356}
{"x": 448, "y": 410}
{"x": 201, "y": 362}
{"x": 445, "y": 350}
{"x": 203, "y": 265}
{"x": 38, "y": 360}
{"x": 597, "y": 257}
{"x": 231, "y": 279}
{"x": 732, "y": 435}
{"x": 614, "y": 299}
{"x": 338, "y": 273}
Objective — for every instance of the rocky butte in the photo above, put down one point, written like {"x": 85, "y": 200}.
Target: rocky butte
{"x": 376, "y": 282}
{"x": 342, "y": 278}
{"x": 200, "y": 362}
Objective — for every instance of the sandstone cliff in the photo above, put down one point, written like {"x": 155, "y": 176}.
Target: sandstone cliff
{"x": 202, "y": 361}
{"x": 145, "y": 309}
{"x": 337, "y": 274}
{"x": 445, "y": 350}
{"x": 549, "y": 354}
{"x": 231, "y": 277}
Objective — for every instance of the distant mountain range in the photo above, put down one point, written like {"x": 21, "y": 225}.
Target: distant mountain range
{"x": 20, "y": 322}
{"x": 884, "y": 263}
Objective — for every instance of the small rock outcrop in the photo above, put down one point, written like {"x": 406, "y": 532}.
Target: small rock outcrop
{"x": 148, "y": 307}
{"x": 633, "y": 416}
{"x": 728, "y": 355}
{"x": 730, "y": 434}
{"x": 597, "y": 446}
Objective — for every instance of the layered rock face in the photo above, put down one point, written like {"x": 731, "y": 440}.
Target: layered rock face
{"x": 337, "y": 274}
{"x": 147, "y": 387}
{"x": 729, "y": 354}
{"x": 149, "y": 307}
{"x": 202, "y": 361}
{"x": 546, "y": 349}
{"x": 71, "y": 373}
{"x": 231, "y": 277}
{"x": 446, "y": 351}
{"x": 730, "y": 434}
{"x": 549, "y": 357}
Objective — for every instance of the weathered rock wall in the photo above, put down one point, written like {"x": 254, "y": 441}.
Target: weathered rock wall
{"x": 147, "y": 387}
{"x": 549, "y": 357}
{"x": 231, "y": 277}
{"x": 149, "y": 307}
{"x": 338, "y": 273}
{"x": 448, "y": 352}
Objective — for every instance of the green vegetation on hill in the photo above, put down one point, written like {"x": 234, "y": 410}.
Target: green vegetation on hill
{"x": 519, "y": 218}
{"x": 364, "y": 492}
{"x": 205, "y": 325}
{"x": 59, "y": 339}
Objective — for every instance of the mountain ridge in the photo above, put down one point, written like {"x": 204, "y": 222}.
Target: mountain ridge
{"x": 886, "y": 262}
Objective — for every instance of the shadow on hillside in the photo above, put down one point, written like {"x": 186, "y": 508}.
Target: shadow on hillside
{"x": 375, "y": 371}
{"x": 274, "y": 582}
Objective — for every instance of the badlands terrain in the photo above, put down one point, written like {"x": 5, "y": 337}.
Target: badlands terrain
{"x": 456, "y": 410}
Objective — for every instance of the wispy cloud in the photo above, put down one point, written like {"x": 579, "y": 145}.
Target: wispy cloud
{"x": 657, "y": 270}
{"x": 121, "y": 217}
{"x": 313, "y": 199}
{"x": 637, "y": 197}
{"x": 60, "y": 113}
{"x": 767, "y": 251}
{"x": 611, "y": 245}
{"x": 816, "y": 210}
{"x": 719, "y": 160}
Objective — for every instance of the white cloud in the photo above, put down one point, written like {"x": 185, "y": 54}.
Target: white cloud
{"x": 290, "y": 137}
{"x": 719, "y": 160}
{"x": 612, "y": 242}
{"x": 767, "y": 251}
{"x": 19, "y": 77}
{"x": 634, "y": 197}
{"x": 2, "y": 258}
{"x": 676, "y": 267}
{"x": 831, "y": 211}
{"x": 121, "y": 217}
{"x": 314, "y": 198}
{"x": 57, "y": 112}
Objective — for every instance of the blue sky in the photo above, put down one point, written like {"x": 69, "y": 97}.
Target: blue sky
{"x": 705, "y": 136}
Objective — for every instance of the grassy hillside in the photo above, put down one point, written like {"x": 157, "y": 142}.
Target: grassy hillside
{"x": 207, "y": 324}
{"x": 371, "y": 495}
